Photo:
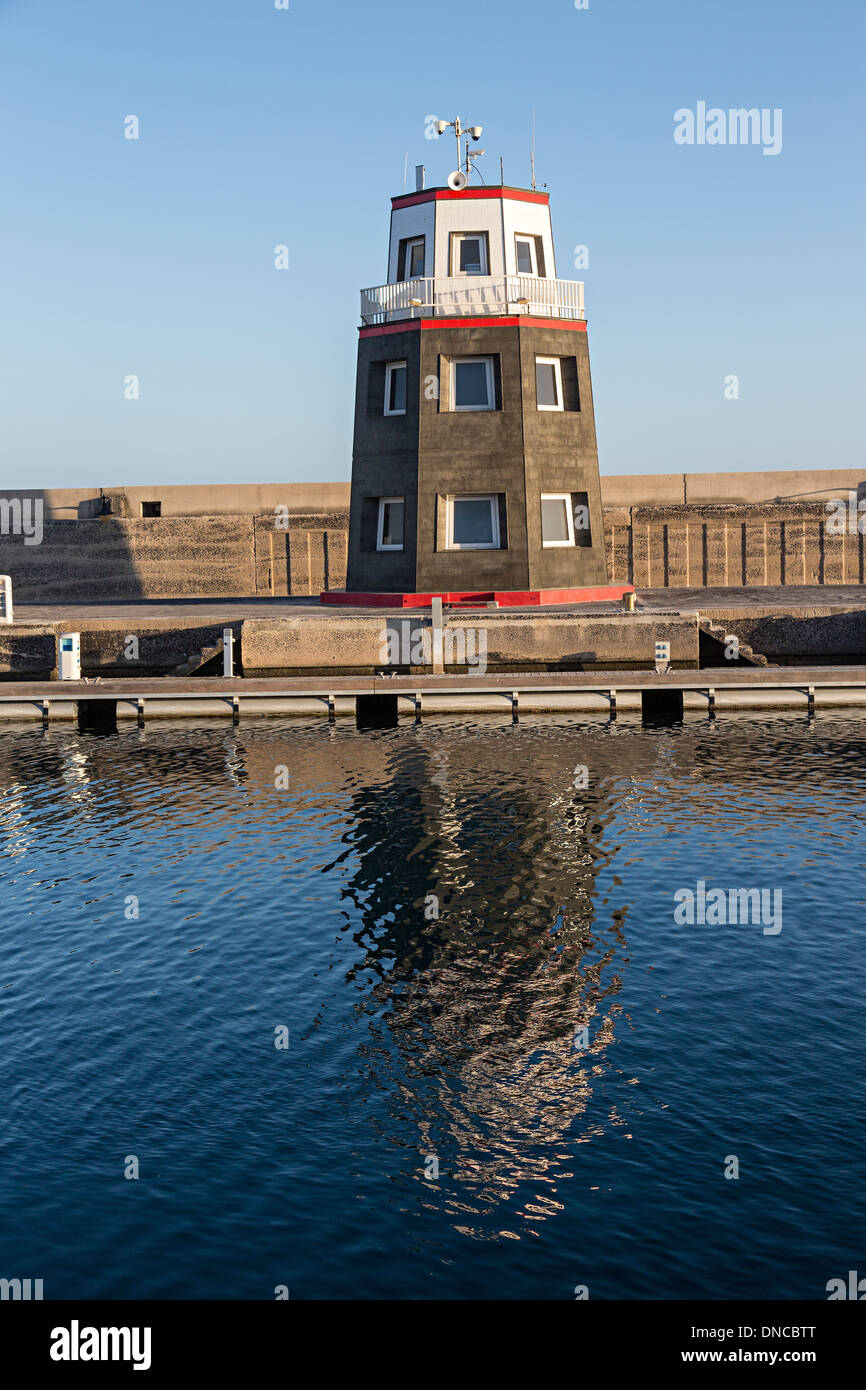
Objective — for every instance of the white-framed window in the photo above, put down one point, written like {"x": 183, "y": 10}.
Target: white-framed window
{"x": 395, "y": 388}
{"x": 415, "y": 258}
{"x": 472, "y": 383}
{"x": 410, "y": 258}
{"x": 548, "y": 383}
{"x": 472, "y": 522}
{"x": 527, "y": 262}
{"x": 389, "y": 534}
{"x": 529, "y": 254}
{"x": 557, "y": 523}
{"x": 469, "y": 253}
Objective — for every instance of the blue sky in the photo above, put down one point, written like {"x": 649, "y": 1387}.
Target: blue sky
{"x": 261, "y": 127}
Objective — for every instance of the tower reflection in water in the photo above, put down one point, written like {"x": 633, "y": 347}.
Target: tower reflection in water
{"x": 491, "y": 1023}
{"x": 476, "y": 1042}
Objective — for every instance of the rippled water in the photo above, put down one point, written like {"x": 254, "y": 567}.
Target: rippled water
{"x": 417, "y": 1040}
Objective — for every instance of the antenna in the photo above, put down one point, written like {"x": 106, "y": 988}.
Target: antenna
{"x": 532, "y": 149}
{"x": 405, "y": 169}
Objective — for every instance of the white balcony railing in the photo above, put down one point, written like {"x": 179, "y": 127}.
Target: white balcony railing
{"x": 473, "y": 295}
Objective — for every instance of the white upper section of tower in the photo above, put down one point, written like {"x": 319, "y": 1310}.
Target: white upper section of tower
{"x": 476, "y": 250}
{"x": 481, "y": 231}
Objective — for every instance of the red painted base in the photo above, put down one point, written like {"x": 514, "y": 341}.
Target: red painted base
{"x": 509, "y": 598}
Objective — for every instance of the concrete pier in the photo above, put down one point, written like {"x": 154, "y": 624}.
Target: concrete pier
{"x": 492, "y": 641}
{"x": 805, "y": 690}
{"x": 797, "y": 626}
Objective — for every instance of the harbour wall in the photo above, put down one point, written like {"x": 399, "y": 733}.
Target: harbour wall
{"x": 322, "y": 641}
{"x": 244, "y": 541}
{"x": 738, "y": 545}
{"x": 496, "y": 642}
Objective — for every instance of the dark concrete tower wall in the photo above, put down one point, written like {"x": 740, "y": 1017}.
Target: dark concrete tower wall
{"x": 384, "y": 464}
{"x": 561, "y": 455}
{"x": 471, "y": 452}
{"x": 516, "y": 451}
{"x": 431, "y": 452}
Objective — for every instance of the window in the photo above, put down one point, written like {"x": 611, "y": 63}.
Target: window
{"x": 472, "y": 386}
{"x": 526, "y": 256}
{"x": 151, "y": 509}
{"x": 469, "y": 253}
{"x": 410, "y": 258}
{"x": 548, "y": 383}
{"x": 557, "y": 525}
{"x": 395, "y": 388}
{"x": 390, "y": 533}
{"x": 416, "y": 259}
{"x": 529, "y": 254}
{"x": 473, "y": 522}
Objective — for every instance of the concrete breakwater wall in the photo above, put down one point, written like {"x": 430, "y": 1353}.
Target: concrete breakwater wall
{"x": 28, "y": 651}
{"x": 327, "y": 643}
{"x": 497, "y": 642}
{"x": 239, "y": 555}
{"x": 737, "y": 545}
{"x": 234, "y": 556}
{"x": 333, "y": 644}
{"x": 617, "y": 490}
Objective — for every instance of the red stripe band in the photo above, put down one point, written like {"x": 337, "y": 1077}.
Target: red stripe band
{"x": 490, "y": 321}
{"x": 439, "y": 195}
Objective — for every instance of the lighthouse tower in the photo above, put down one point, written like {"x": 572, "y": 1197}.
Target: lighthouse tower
{"x": 475, "y": 465}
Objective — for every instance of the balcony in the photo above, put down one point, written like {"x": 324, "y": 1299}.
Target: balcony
{"x": 476, "y": 295}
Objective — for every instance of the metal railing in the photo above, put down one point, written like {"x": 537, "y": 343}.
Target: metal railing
{"x": 513, "y": 694}
{"x": 480, "y": 295}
